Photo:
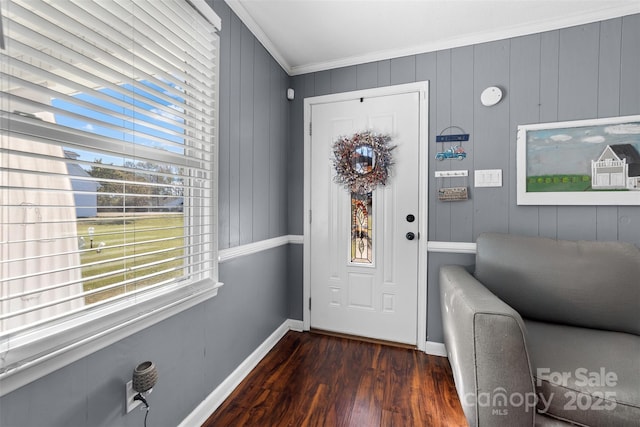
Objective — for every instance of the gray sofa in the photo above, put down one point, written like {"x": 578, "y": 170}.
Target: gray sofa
{"x": 545, "y": 332}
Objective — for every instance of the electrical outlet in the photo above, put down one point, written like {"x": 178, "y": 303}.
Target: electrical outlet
{"x": 130, "y": 394}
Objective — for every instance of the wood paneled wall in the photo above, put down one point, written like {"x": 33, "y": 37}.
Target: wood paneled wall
{"x": 254, "y": 126}
{"x": 583, "y": 72}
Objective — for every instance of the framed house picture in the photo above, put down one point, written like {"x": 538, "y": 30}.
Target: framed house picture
{"x": 583, "y": 162}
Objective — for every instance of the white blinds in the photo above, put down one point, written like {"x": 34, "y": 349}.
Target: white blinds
{"x": 107, "y": 128}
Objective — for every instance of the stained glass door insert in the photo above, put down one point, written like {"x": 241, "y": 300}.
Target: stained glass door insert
{"x": 362, "y": 228}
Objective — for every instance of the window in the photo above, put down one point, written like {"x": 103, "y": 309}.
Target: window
{"x": 108, "y": 160}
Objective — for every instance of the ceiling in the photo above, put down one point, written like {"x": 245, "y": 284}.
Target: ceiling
{"x": 312, "y": 35}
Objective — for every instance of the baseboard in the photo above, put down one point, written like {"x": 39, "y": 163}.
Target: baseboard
{"x": 204, "y": 410}
{"x": 295, "y": 325}
{"x": 435, "y": 349}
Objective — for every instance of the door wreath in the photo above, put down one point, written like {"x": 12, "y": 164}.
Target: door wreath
{"x": 362, "y": 161}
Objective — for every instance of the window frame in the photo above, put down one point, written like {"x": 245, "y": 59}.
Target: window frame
{"x": 60, "y": 342}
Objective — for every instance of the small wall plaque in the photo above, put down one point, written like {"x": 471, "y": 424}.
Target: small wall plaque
{"x": 452, "y": 194}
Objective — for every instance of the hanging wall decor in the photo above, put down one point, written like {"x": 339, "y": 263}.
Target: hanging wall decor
{"x": 580, "y": 162}
{"x": 454, "y": 151}
{"x": 362, "y": 161}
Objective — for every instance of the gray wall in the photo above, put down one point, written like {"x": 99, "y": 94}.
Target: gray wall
{"x": 198, "y": 348}
{"x": 194, "y": 351}
{"x": 582, "y": 72}
{"x": 254, "y": 117}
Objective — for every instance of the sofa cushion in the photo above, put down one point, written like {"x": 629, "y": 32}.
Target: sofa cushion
{"x": 587, "y": 376}
{"x": 580, "y": 283}
{"x": 545, "y": 421}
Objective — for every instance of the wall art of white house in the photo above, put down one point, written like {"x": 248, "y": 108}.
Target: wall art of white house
{"x": 582, "y": 162}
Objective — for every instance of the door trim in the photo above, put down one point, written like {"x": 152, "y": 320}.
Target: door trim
{"x": 423, "y": 89}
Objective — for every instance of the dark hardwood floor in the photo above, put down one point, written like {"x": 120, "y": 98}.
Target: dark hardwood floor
{"x": 310, "y": 379}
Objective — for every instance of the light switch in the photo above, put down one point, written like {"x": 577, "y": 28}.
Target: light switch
{"x": 488, "y": 178}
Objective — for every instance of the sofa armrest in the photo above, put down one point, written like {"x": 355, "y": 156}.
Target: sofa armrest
{"x": 485, "y": 340}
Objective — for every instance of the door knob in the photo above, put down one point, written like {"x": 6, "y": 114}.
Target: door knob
{"x": 411, "y": 218}
{"x": 410, "y": 236}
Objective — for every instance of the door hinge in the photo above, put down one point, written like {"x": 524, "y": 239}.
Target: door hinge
{"x": 309, "y": 304}
{"x": 309, "y": 216}
{"x": 309, "y": 128}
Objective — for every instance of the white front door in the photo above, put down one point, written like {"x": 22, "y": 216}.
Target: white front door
{"x": 364, "y": 248}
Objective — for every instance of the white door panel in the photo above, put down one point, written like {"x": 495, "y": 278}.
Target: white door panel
{"x": 376, "y": 299}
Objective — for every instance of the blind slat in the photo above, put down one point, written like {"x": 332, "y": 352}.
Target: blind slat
{"x": 98, "y": 263}
{"x": 115, "y": 18}
{"x": 37, "y": 130}
{"x": 185, "y": 174}
{"x": 17, "y": 100}
{"x": 101, "y": 276}
{"x": 118, "y": 91}
{"x": 113, "y": 286}
{"x": 188, "y": 229}
{"x": 102, "y": 56}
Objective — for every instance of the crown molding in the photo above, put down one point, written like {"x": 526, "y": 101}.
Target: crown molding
{"x": 477, "y": 38}
{"x": 257, "y": 31}
{"x": 482, "y": 37}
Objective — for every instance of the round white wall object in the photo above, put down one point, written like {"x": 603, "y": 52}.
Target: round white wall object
{"x": 491, "y": 96}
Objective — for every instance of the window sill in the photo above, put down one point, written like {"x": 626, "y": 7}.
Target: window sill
{"x": 78, "y": 338}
